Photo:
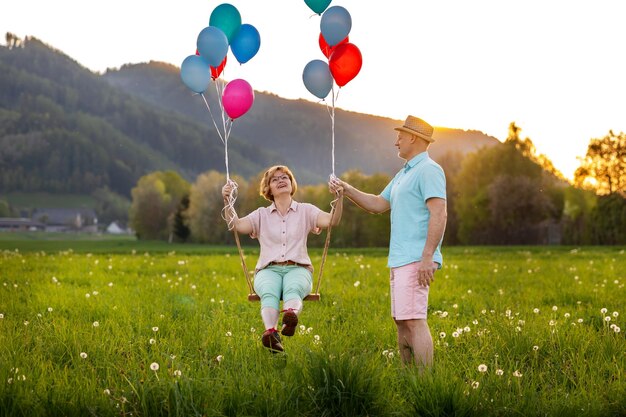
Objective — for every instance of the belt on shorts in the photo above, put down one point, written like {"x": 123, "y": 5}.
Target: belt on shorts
{"x": 286, "y": 263}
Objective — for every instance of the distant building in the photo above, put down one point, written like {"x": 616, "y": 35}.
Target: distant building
{"x": 20, "y": 224}
{"x": 116, "y": 229}
{"x": 67, "y": 220}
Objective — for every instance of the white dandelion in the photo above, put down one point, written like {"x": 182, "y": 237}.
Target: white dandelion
{"x": 154, "y": 366}
{"x": 83, "y": 355}
{"x": 482, "y": 368}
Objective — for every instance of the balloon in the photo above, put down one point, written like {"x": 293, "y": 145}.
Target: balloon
{"x": 246, "y": 43}
{"x": 194, "y": 72}
{"x": 237, "y": 98}
{"x": 318, "y": 6}
{"x": 227, "y": 18}
{"x": 326, "y": 49}
{"x": 317, "y": 78}
{"x": 345, "y": 63}
{"x": 335, "y": 25}
{"x": 212, "y": 45}
{"x": 215, "y": 72}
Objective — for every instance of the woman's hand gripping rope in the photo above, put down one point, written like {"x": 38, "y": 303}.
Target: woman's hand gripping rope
{"x": 229, "y": 193}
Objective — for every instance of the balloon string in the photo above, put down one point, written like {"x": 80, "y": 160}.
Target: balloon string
{"x": 331, "y": 113}
{"x": 213, "y": 118}
{"x": 228, "y": 212}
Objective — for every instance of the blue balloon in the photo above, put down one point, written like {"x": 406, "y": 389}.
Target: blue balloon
{"x": 212, "y": 45}
{"x": 317, "y": 78}
{"x": 246, "y": 43}
{"x": 195, "y": 73}
{"x": 335, "y": 25}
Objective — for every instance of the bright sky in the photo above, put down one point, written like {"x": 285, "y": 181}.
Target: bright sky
{"x": 555, "y": 67}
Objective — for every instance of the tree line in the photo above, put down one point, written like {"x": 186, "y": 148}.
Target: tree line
{"x": 500, "y": 195}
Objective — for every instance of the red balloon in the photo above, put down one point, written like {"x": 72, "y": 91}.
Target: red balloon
{"x": 215, "y": 72}
{"x": 327, "y": 49}
{"x": 345, "y": 63}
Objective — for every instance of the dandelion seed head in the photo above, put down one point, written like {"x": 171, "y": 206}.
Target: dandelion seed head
{"x": 615, "y": 314}
{"x": 152, "y": 341}
{"x": 219, "y": 358}
{"x": 455, "y": 334}
{"x": 475, "y": 384}
{"x": 229, "y": 334}
{"x": 357, "y": 283}
{"x": 482, "y": 368}
{"x": 83, "y": 355}
{"x": 616, "y": 329}
{"x": 177, "y": 373}
{"x": 580, "y": 320}
{"x": 607, "y": 318}
{"x": 535, "y": 348}
{"x": 603, "y": 310}
{"x": 499, "y": 372}
{"x": 442, "y": 335}
{"x": 536, "y": 310}
{"x": 155, "y": 329}
{"x": 106, "y": 391}
{"x": 49, "y": 309}
{"x": 154, "y": 366}
{"x": 96, "y": 324}
{"x": 517, "y": 374}
{"x": 554, "y": 308}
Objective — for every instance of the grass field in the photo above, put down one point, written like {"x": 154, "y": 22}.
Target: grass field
{"x": 123, "y": 328}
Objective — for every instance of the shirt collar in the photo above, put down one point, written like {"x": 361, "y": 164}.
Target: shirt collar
{"x": 293, "y": 206}
{"x": 415, "y": 160}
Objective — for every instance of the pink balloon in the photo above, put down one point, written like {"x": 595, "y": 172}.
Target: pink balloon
{"x": 237, "y": 98}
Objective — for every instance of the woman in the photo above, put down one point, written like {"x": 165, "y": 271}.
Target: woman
{"x": 284, "y": 268}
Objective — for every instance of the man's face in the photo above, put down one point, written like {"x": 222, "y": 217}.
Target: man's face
{"x": 404, "y": 143}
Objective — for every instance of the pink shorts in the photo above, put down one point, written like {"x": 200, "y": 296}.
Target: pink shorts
{"x": 409, "y": 300}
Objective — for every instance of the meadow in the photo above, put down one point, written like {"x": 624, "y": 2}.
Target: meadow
{"x": 148, "y": 329}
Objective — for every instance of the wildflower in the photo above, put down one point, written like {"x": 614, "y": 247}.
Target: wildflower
{"x": 154, "y": 366}
{"x": 482, "y": 368}
{"x": 219, "y": 358}
{"x": 536, "y": 311}
{"x": 252, "y": 330}
{"x": 177, "y": 373}
{"x": 152, "y": 341}
{"x": 475, "y": 384}
{"x": 229, "y": 334}
{"x": 49, "y": 309}
{"x": 552, "y": 323}
{"x": 554, "y": 308}
{"x": 357, "y": 283}
{"x": 96, "y": 324}
{"x": 110, "y": 284}
{"x": 155, "y": 329}
{"x": 1, "y": 316}
{"x": 603, "y": 310}
{"x": 615, "y": 314}
{"x": 87, "y": 295}
{"x": 455, "y": 306}
{"x": 83, "y": 355}
{"x": 580, "y": 320}
{"x": 455, "y": 334}
{"x": 444, "y": 314}
{"x": 607, "y": 318}
{"x": 466, "y": 329}
{"x": 499, "y": 372}
{"x": 517, "y": 374}
{"x": 474, "y": 322}
{"x": 566, "y": 315}
{"x": 442, "y": 335}
{"x": 617, "y": 329}
{"x": 535, "y": 348}
{"x": 106, "y": 391}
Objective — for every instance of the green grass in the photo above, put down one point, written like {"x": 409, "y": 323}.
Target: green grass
{"x": 184, "y": 308}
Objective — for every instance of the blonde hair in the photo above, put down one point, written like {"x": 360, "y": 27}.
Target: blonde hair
{"x": 264, "y": 187}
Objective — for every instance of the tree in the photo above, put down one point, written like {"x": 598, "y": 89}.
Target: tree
{"x": 204, "y": 216}
{"x": 154, "y": 200}
{"x": 603, "y": 168}
{"x": 488, "y": 200}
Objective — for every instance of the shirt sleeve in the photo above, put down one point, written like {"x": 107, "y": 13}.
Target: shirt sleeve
{"x": 312, "y": 213}
{"x": 386, "y": 194}
{"x": 433, "y": 182}
{"x": 255, "y": 221}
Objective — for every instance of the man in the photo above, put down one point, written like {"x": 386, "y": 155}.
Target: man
{"x": 417, "y": 199}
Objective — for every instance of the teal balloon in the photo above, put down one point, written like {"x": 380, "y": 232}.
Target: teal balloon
{"x": 317, "y": 78}
{"x": 246, "y": 43}
{"x": 335, "y": 25}
{"x": 212, "y": 45}
{"x": 318, "y": 6}
{"x": 195, "y": 73}
{"x": 226, "y": 17}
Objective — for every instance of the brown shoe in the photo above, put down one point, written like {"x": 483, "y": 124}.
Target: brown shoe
{"x": 271, "y": 340}
{"x": 290, "y": 322}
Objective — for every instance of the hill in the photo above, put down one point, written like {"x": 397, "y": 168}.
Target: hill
{"x": 65, "y": 129}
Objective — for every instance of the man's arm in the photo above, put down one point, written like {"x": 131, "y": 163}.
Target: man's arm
{"x": 368, "y": 202}
{"x": 436, "y": 228}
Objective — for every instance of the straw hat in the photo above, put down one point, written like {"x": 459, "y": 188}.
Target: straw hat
{"x": 418, "y": 127}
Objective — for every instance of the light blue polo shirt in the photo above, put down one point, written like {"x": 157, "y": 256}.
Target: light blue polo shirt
{"x": 421, "y": 178}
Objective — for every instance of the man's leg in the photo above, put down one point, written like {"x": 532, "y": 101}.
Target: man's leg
{"x": 415, "y": 342}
